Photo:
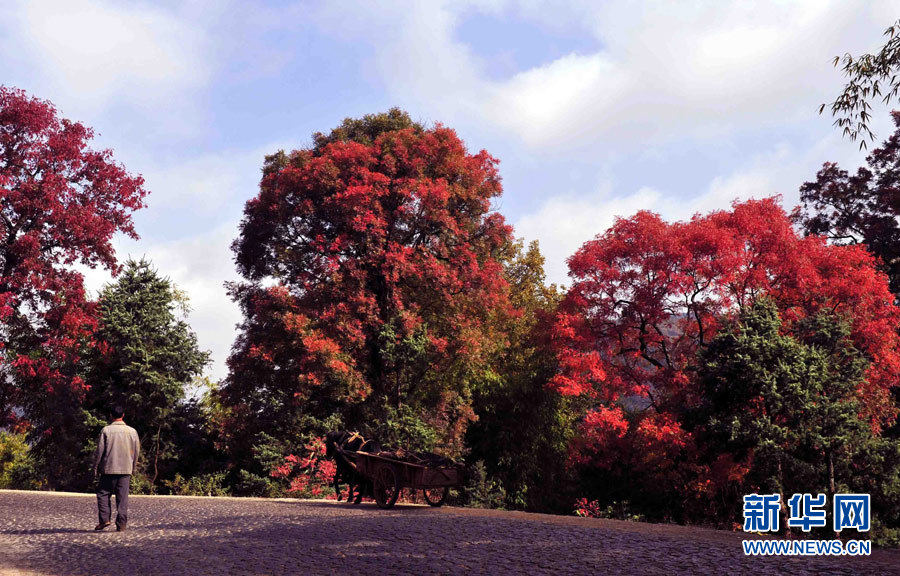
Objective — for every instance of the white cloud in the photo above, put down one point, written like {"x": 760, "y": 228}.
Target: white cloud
{"x": 414, "y": 52}
{"x": 96, "y": 46}
{"x": 93, "y": 56}
{"x": 205, "y": 184}
{"x": 545, "y": 104}
{"x": 664, "y": 70}
{"x": 563, "y": 223}
{"x": 676, "y": 70}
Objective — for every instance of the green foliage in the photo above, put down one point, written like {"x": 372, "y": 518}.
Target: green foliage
{"x": 17, "y": 467}
{"x": 875, "y": 470}
{"x": 141, "y": 484}
{"x": 786, "y": 403}
{"x": 481, "y": 491}
{"x": 523, "y": 428}
{"x": 249, "y": 484}
{"x": 621, "y": 511}
{"x": 203, "y": 485}
{"x": 618, "y": 510}
{"x": 403, "y": 427}
{"x": 148, "y": 357}
{"x": 404, "y": 357}
{"x": 269, "y": 452}
{"x": 757, "y": 384}
{"x": 394, "y": 419}
{"x": 152, "y": 353}
{"x": 63, "y": 459}
{"x": 366, "y": 129}
{"x": 869, "y": 76}
{"x": 256, "y": 478}
{"x": 789, "y": 402}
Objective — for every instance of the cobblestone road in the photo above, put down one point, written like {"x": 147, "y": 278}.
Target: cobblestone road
{"x": 45, "y": 533}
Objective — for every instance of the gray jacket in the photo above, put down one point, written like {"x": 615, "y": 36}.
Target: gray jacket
{"x": 117, "y": 450}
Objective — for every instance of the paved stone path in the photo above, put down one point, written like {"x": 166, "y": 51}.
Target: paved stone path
{"x": 47, "y": 533}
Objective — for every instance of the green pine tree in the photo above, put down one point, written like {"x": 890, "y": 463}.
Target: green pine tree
{"x": 786, "y": 403}
{"x": 149, "y": 358}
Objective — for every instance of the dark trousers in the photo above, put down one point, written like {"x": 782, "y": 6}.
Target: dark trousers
{"x": 110, "y": 484}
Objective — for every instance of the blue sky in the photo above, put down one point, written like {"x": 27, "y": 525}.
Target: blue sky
{"x": 595, "y": 109}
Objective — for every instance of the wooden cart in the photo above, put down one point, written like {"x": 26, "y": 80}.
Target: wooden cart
{"x": 390, "y": 475}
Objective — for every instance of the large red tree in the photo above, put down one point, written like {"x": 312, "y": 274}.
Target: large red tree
{"x": 372, "y": 267}
{"x": 61, "y": 202}
{"x": 648, "y": 294}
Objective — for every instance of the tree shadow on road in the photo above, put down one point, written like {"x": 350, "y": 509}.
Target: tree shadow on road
{"x": 325, "y": 538}
{"x": 35, "y": 531}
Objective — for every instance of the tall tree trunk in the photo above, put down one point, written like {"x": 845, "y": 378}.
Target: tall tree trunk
{"x": 830, "y": 455}
{"x": 156, "y": 456}
{"x": 783, "y": 511}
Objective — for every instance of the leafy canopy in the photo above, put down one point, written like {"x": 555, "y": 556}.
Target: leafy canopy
{"x": 372, "y": 272}
{"x": 860, "y": 208}
{"x": 785, "y": 402}
{"x": 649, "y": 296}
{"x": 61, "y": 202}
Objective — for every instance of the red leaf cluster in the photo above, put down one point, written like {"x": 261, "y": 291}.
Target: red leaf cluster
{"x": 648, "y": 294}
{"x": 347, "y": 240}
{"x": 61, "y": 202}
{"x": 309, "y": 475}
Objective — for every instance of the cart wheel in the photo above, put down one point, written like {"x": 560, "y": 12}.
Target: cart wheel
{"x": 436, "y": 496}
{"x": 386, "y": 486}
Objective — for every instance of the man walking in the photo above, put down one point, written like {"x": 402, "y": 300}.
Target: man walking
{"x": 115, "y": 460}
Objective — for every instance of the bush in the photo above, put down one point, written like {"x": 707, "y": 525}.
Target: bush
{"x": 249, "y": 484}
{"x": 141, "y": 484}
{"x": 203, "y": 485}
{"x": 617, "y": 510}
{"x": 17, "y": 466}
{"x": 482, "y": 491}
{"x": 309, "y": 475}
{"x": 404, "y": 427}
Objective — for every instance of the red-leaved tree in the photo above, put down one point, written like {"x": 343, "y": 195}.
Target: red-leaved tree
{"x": 61, "y": 202}
{"x": 647, "y": 295}
{"x": 372, "y": 268}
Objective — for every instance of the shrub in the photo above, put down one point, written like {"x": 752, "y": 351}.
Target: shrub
{"x": 482, "y": 491}
{"x": 617, "y": 510}
{"x": 141, "y": 484}
{"x": 202, "y": 485}
{"x": 17, "y": 467}
{"x": 308, "y": 475}
{"x": 249, "y": 484}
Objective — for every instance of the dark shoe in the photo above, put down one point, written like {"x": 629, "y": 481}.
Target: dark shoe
{"x": 121, "y": 527}
{"x": 102, "y": 526}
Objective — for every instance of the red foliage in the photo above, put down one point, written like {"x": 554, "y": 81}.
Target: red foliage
{"x": 60, "y": 203}
{"x": 588, "y": 508}
{"x": 648, "y": 294}
{"x": 360, "y": 238}
{"x": 601, "y": 429}
{"x": 309, "y": 475}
